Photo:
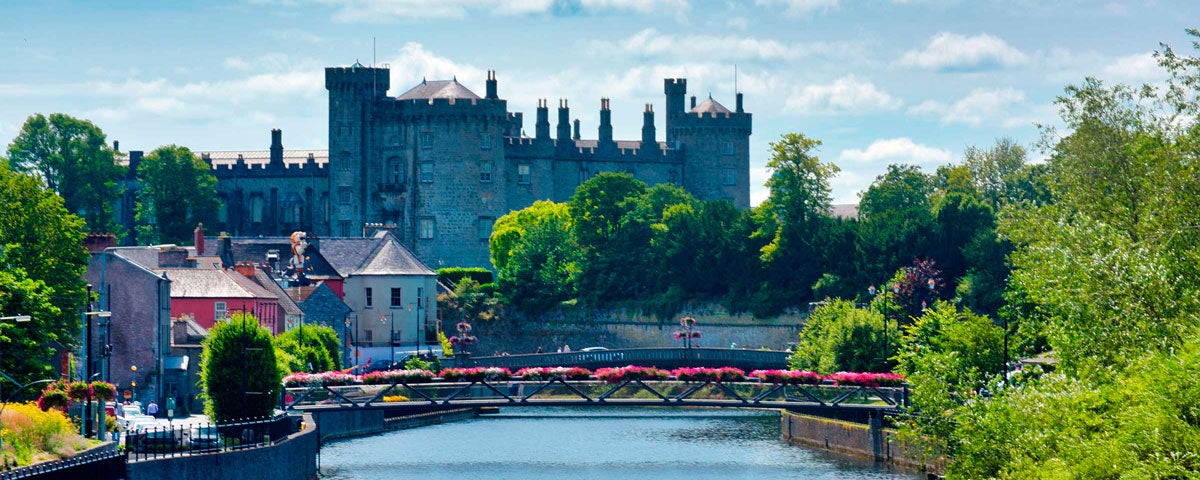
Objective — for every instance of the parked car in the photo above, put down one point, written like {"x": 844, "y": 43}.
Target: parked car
{"x": 154, "y": 439}
{"x": 594, "y": 349}
{"x": 204, "y": 438}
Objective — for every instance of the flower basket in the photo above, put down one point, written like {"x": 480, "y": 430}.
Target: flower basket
{"x": 335, "y": 379}
{"x": 475, "y": 374}
{"x": 399, "y": 376}
{"x": 867, "y": 379}
{"x": 104, "y": 391}
{"x": 547, "y": 373}
{"x": 79, "y": 391}
{"x": 680, "y": 334}
{"x": 788, "y": 377}
{"x": 301, "y": 379}
{"x": 618, "y": 375}
{"x": 54, "y": 398}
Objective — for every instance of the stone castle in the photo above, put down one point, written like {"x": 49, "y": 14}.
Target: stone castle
{"x": 437, "y": 165}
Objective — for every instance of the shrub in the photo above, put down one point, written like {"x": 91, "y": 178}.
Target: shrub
{"x": 239, "y": 357}
{"x": 453, "y": 275}
{"x": 31, "y": 434}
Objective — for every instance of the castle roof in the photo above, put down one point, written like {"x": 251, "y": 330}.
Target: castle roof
{"x": 251, "y": 157}
{"x": 710, "y": 106}
{"x": 438, "y": 89}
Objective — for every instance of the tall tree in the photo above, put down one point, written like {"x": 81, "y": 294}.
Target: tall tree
{"x": 178, "y": 191}
{"x": 535, "y": 256}
{"x": 895, "y": 221}
{"x": 74, "y": 160}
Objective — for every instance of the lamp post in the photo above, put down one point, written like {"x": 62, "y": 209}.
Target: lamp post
{"x": 352, "y": 339}
{"x": 86, "y": 425}
{"x": 391, "y": 337}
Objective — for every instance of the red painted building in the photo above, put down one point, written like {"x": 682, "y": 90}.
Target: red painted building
{"x": 210, "y": 295}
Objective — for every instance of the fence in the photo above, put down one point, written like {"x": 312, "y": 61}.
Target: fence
{"x": 659, "y": 357}
{"x": 203, "y": 437}
{"x": 108, "y": 465}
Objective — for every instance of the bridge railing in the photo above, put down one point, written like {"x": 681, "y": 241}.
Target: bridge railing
{"x": 658, "y": 357}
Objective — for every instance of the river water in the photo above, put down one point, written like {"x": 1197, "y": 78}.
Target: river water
{"x": 593, "y": 443}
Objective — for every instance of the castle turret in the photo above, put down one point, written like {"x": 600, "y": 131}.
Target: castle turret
{"x": 491, "y": 86}
{"x": 353, "y": 94}
{"x": 276, "y": 148}
{"x": 606, "y": 133}
{"x": 675, "y": 89}
{"x": 739, "y": 109}
{"x": 564, "y": 122}
{"x": 716, "y": 145}
{"x": 542, "y": 127}
{"x": 648, "y": 140}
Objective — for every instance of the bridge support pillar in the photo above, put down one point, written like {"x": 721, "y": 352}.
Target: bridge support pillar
{"x": 876, "y": 423}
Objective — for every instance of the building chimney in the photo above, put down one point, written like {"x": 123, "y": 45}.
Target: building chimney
{"x": 564, "y": 121}
{"x": 693, "y": 101}
{"x": 491, "y": 86}
{"x": 739, "y": 104}
{"x": 198, "y": 239}
{"x": 277, "y": 147}
{"x": 98, "y": 242}
{"x": 245, "y": 269}
{"x": 542, "y": 128}
{"x": 648, "y": 127}
{"x": 576, "y": 136}
{"x": 606, "y": 134}
{"x": 116, "y": 146}
{"x": 174, "y": 257}
{"x": 225, "y": 250}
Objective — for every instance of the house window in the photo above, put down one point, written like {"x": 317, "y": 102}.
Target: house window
{"x": 426, "y": 140}
{"x": 397, "y": 300}
{"x": 370, "y": 334}
{"x": 395, "y": 171}
{"x": 486, "y": 142}
{"x": 728, "y": 177}
{"x": 727, "y": 149}
{"x": 523, "y": 176}
{"x": 220, "y": 311}
{"x": 484, "y": 227}
{"x": 344, "y": 195}
{"x": 485, "y": 172}
{"x": 426, "y": 173}
{"x": 369, "y": 297}
{"x": 426, "y": 228}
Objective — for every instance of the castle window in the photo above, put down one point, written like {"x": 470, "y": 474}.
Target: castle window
{"x": 292, "y": 208}
{"x": 395, "y": 171}
{"x": 484, "y": 227}
{"x": 486, "y": 142}
{"x": 728, "y": 177}
{"x": 426, "y": 228}
{"x": 426, "y": 140}
{"x": 344, "y": 227}
{"x": 727, "y": 149}
{"x": 324, "y": 206}
{"x": 223, "y": 211}
{"x": 344, "y": 195}
{"x": 426, "y": 173}
{"x": 256, "y": 208}
{"x": 485, "y": 172}
{"x": 523, "y": 176}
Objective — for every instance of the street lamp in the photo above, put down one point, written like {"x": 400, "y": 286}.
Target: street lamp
{"x": 86, "y": 425}
{"x": 352, "y": 340}
{"x": 391, "y": 337}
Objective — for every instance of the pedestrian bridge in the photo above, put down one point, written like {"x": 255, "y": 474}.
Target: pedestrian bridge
{"x": 667, "y": 358}
{"x": 857, "y": 403}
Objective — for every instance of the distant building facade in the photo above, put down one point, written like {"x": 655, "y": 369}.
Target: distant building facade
{"x": 438, "y": 164}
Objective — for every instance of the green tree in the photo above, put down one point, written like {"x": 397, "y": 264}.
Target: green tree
{"x": 535, "y": 256}
{"x": 315, "y": 345}
{"x": 895, "y": 221}
{"x": 178, "y": 192}
{"x": 75, "y": 161}
{"x": 238, "y": 370}
{"x": 597, "y": 210}
{"x": 840, "y": 337}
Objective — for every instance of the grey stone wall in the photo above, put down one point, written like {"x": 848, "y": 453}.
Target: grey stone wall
{"x": 292, "y": 459}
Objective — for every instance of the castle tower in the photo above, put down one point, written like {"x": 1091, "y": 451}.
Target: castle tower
{"x": 715, "y": 144}
{"x": 353, "y": 94}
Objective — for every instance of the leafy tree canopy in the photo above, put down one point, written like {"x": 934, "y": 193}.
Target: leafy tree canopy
{"x": 178, "y": 192}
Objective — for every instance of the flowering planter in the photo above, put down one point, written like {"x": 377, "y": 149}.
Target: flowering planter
{"x": 475, "y": 374}
{"x": 867, "y": 379}
{"x": 725, "y": 374}
{"x": 788, "y": 377}
{"x": 621, "y": 374}
{"x": 397, "y": 376}
{"x": 550, "y": 373}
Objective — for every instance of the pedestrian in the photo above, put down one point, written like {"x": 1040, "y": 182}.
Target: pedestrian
{"x": 539, "y": 350}
{"x": 566, "y": 349}
{"x": 559, "y": 350}
{"x": 152, "y": 409}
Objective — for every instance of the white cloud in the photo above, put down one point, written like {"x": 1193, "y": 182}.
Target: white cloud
{"x": 845, "y": 95}
{"x": 1140, "y": 67}
{"x": 414, "y": 63}
{"x": 953, "y": 52}
{"x": 738, "y": 23}
{"x": 374, "y": 11}
{"x": 236, "y": 63}
{"x": 798, "y": 8}
{"x": 897, "y": 150}
{"x": 981, "y": 105}
{"x": 652, "y": 43}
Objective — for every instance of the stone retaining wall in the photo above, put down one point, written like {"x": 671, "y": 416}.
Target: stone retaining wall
{"x": 879, "y": 444}
{"x": 294, "y": 458}
{"x": 335, "y": 424}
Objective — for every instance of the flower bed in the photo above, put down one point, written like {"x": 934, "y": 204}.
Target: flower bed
{"x": 328, "y": 379}
{"x": 631, "y": 372}
{"x": 867, "y": 379}
{"x": 386, "y": 377}
{"x": 547, "y": 373}
{"x": 788, "y": 377}
{"x": 724, "y": 374}
{"x": 475, "y": 374}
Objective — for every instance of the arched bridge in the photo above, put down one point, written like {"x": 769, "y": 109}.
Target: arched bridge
{"x": 667, "y": 358}
{"x": 857, "y": 403}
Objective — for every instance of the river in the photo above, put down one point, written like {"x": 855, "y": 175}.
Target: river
{"x": 593, "y": 443}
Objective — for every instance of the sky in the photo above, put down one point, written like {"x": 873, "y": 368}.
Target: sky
{"x": 876, "y": 81}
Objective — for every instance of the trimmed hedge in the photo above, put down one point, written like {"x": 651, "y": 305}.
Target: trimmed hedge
{"x": 453, "y": 275}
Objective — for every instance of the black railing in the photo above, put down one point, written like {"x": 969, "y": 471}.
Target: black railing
{"x": 108, "y": 465}
{"x": 658, "y": 357}
{"x": 202, "y": 437}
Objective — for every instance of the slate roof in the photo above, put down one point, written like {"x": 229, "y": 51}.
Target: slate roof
{"x": 710, "y": 106}
{"x": 255, "y": 250}
{"x": 147, "y": 257}
{"x": 378, "y": 255}
{"x": 207, "y": 283}
{"x": 324, "y": 307}
{"x": 438, "y": 89}
{"x": 289, "y": 307}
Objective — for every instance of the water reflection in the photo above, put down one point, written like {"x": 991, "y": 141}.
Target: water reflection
{"x": 592, "y": 443}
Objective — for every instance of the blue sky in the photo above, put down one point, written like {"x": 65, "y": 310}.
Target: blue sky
{"x": 878, "y": 81}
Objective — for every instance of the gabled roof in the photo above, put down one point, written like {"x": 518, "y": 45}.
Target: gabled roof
{"x": 438, "y": 89}
{"x": 710, "y": 106}
{"x": 208, "y": 283}
{"x": 324, "y": 307}
{"x": 285, "y": 300}
{"x": 255, "y": 250}
{"x": 378, "y": 255}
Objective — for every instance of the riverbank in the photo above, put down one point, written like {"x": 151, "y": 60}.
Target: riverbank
{"x": 340, "y": 424}
{"x": 879, "y": 444}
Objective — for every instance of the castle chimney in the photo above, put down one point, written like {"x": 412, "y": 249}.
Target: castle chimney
{"x": 693, "y": 101}
{"x": 277, "y": 147}
{"x": 739, "y": 104}
{"x": 606, "y": 134}
{"x": 135, "y": 159}
{"x": 648, "y": 127}
{"x": 198, "y": 239}
{"x": 116, "y": 146}
{"x": 564, "y": 121}
{"x": 576, "y": 136}
{"x": 542, "y": 128}
{"x": 491, "y": 86}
